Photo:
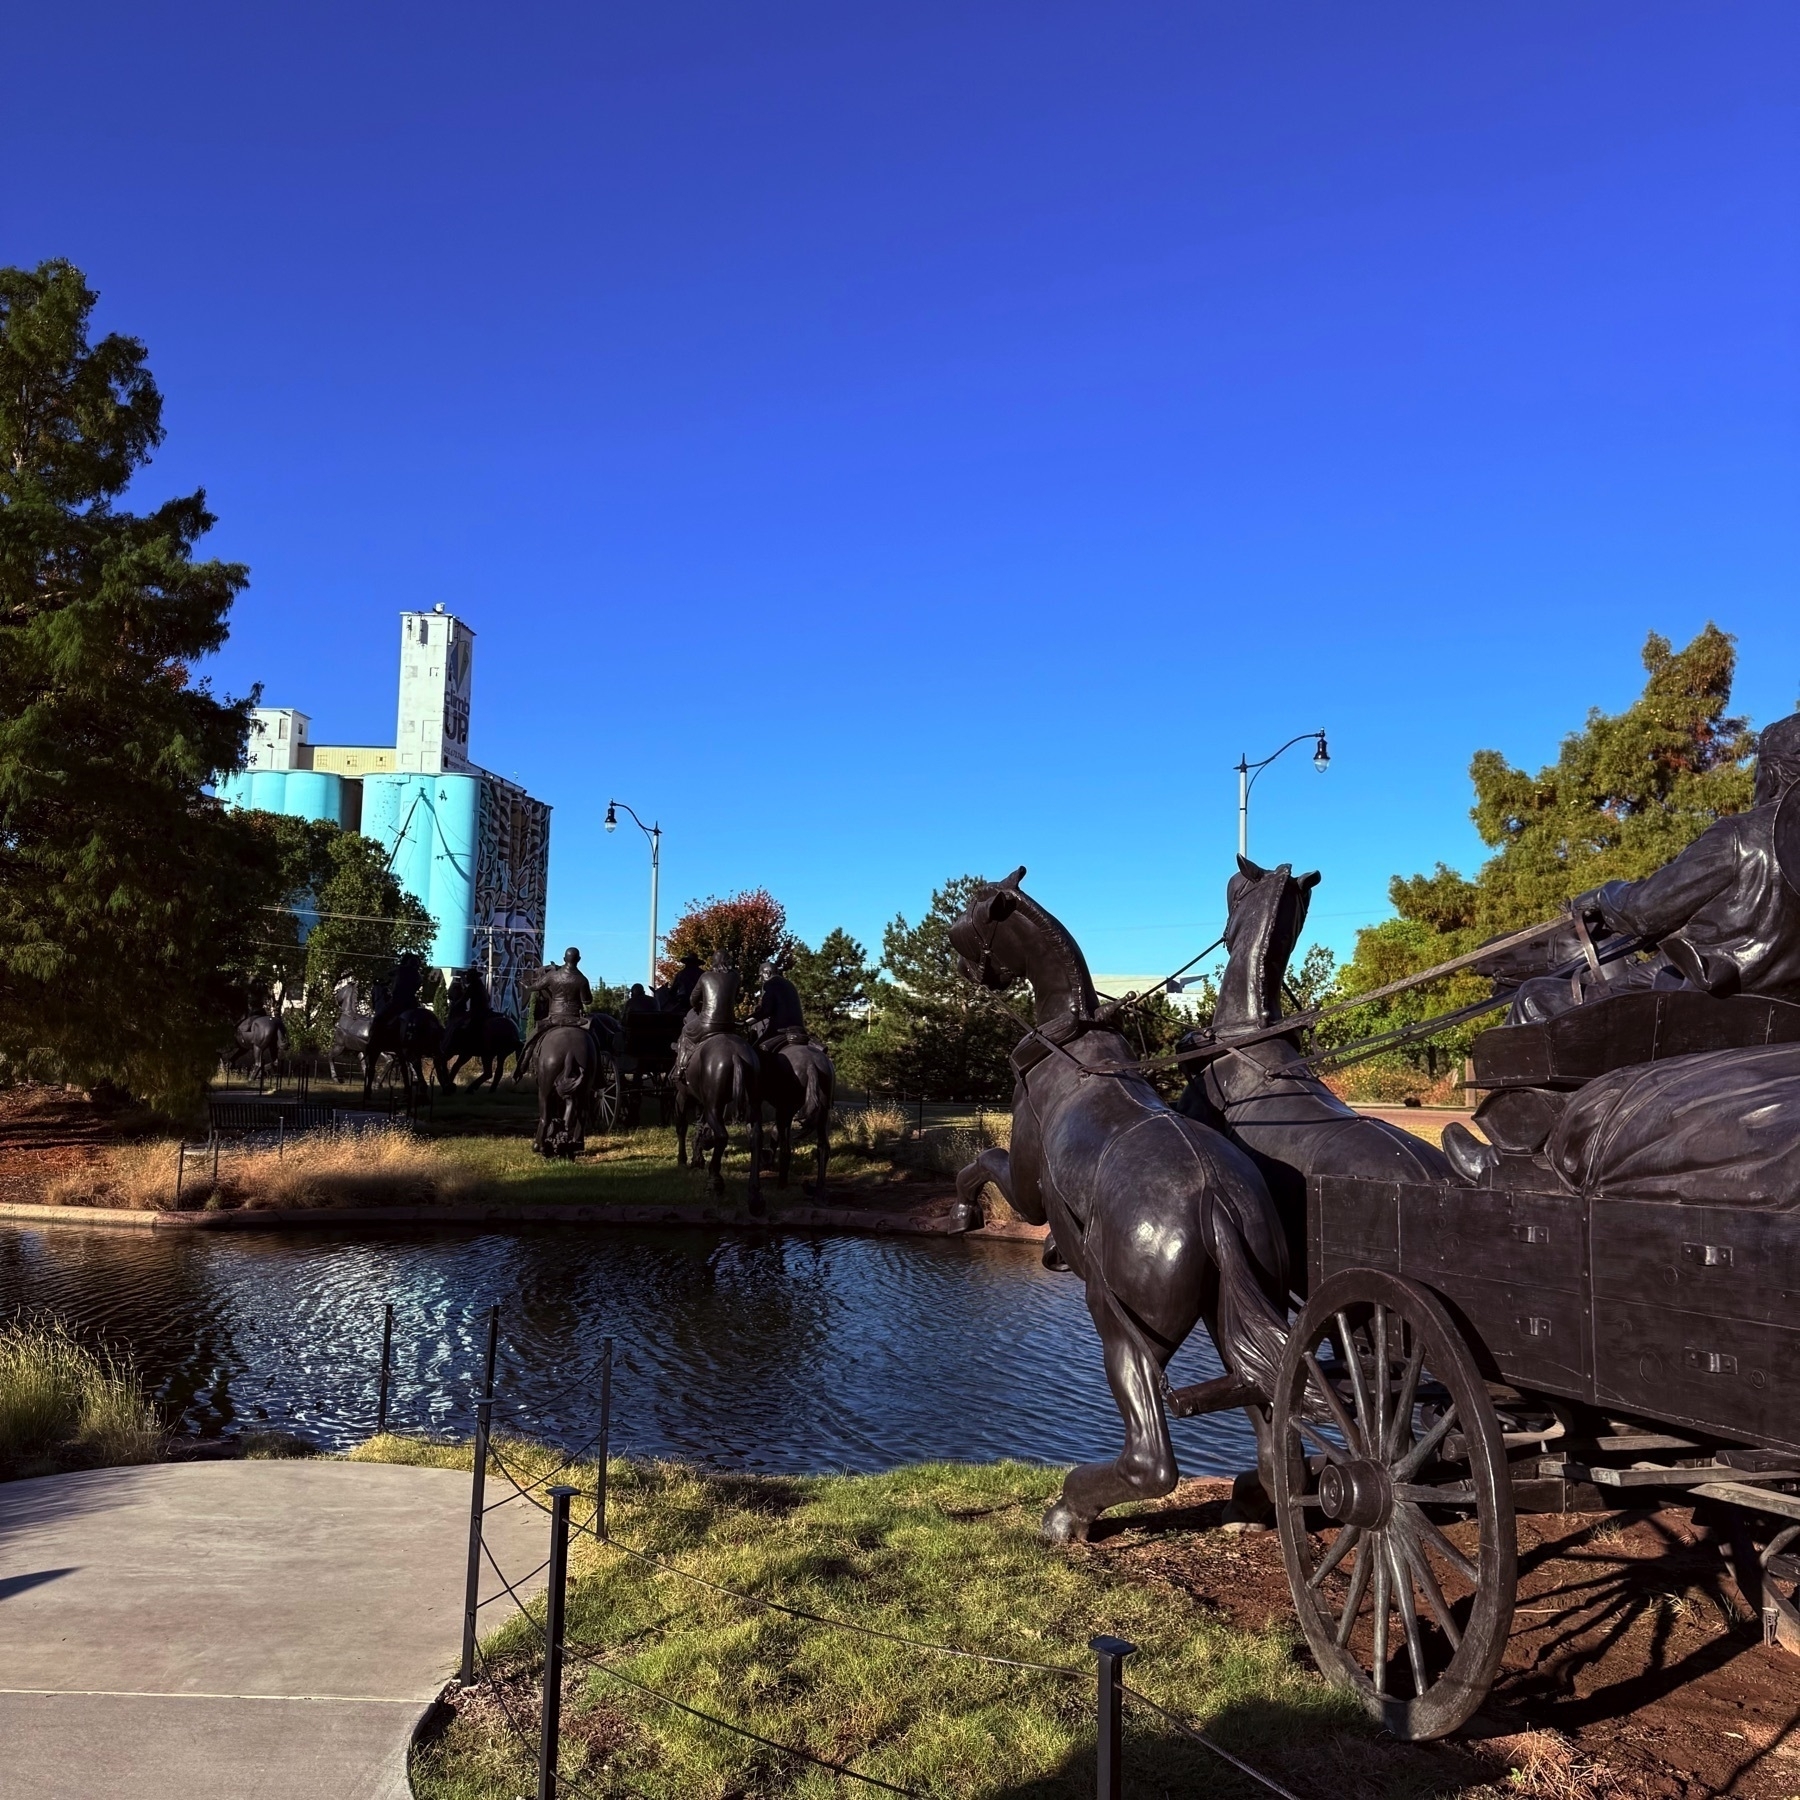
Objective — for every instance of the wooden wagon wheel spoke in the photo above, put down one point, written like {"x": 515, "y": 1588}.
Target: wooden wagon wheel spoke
{"x": 1409, "y": 1617}
{"x": 1352, "y": 1437}
{"x": 1380, "y": 1372}
{"x": 1359, "y": 1582}
{"x": 1335, "y": 1452}
{"x": 1410, "y": 1464}
{"x": 1403, "y": 1401}
{"x": 1347, "y": 1540}
{"x": 1382, "y": 1599}
{"x": 1427, "y": 1582}
{"x": 1443, "y": 1546}
{"x": 1358, "y": 1386}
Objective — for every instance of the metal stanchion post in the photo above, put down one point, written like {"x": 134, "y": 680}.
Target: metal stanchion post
{"x": 477, "y": 1497}
{"x": 1109, "y": 1759}
{"x": 180, "y": 1167}
{"x": 484, "y": 1421}
{"x": 387, "y": 1353}
{"x": 605, "y": 1438}
{"x": 560, "y": 1496}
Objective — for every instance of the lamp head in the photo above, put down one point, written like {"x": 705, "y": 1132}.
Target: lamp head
{"x": 1321, "y": 756}
{"x": 612, "y": 817}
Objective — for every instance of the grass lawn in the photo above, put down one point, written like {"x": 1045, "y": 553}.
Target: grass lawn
{"x": 639, "y": 1169}
{"x": 945, "y": 1553}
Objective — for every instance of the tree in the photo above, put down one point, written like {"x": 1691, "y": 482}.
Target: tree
{"x": 129, "y": 897}
{"x": 834, "y": 983}
{"x": 935, "y": 1033}
{"x": 357, "y": 919}
{"x": 1626, "y": 793}
{"x": 747, "y": 928}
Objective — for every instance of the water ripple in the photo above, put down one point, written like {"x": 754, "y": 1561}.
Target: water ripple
{"x": 776, "y": 1354}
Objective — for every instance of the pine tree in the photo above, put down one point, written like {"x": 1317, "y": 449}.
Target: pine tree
{"x": 1626, "y": 793}
{"x": 359, "y": 919}
{"x": 129, "y": 898}
{"x": 935, "y": 1033}
{"x": 834, "y": 982}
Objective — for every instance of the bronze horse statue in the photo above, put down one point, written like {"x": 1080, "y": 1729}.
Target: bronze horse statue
{"x": 408, "y": 1032}
{"x": 718, "y": 1075}
{"x": 1266, "y": 1096}
{"x": 799, "y": 1079}
{"x": 565, "y": 1056}
{"x": 473, "y": 1029}
{"x": 262, "y": 1042}
{"x": 1167, "y": 1222}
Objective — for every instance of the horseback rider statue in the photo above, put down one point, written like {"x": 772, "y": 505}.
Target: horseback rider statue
{"x": 402, "y": 994}
{"x": 564, "y": 997}
{"x": 778, "y": 1019}
{"x": 678, "y": 996}
{"x": 1722, "y": 916}
{"x": 712, "y": 1009}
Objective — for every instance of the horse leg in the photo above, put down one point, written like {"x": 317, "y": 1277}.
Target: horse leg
{"x": 715, "y": 1123}
{"x": 993, "y": 1166}
{"x": 784, "y": 1145}
{"x": 824, "y": 1150}
{"x": 681, "y": 1124}
{"x": 757, "y": 1208}
{"x": 1145, "y": 1467}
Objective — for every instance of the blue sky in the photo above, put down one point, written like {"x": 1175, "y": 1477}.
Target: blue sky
{"x": 889, "y": 441}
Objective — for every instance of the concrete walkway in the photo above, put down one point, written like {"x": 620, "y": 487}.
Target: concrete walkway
{"x": 234, "y": 1630}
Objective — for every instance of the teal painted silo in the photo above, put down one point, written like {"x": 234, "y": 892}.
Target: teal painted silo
{"x": 428, "y": 824}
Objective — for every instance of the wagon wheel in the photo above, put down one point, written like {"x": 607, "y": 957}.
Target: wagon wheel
{"x": 1393, "y": 1502}
{"x": 603, "y": 1106}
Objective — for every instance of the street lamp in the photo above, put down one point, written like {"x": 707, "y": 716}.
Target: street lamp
{"x": 1247, "y": 773}
{"x": 654, "y": 834}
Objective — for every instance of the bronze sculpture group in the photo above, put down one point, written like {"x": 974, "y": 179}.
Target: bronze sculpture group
{"x": 718, "y": 1074}
{"x": 1410, "y": 1329}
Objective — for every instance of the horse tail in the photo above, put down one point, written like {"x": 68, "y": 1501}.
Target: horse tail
{"x": 739, "y": 1107}
{"x": 568, "y": 1080}
{"x": 1252, "y": 1334}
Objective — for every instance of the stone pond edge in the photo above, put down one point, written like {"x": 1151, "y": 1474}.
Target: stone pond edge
{"x": 920, "y": 1223}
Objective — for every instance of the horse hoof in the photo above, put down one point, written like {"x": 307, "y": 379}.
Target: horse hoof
{"x": 1063, "y": 1525}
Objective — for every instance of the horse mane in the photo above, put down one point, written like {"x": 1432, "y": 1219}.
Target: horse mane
{"x": 1065, "y": 949}
{"x": 1263, "y": 1008}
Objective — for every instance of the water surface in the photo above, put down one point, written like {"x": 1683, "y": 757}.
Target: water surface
{"x": 792, "y": 1354}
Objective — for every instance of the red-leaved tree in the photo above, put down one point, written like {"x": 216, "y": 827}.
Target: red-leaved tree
{"x": 748, "y": 928}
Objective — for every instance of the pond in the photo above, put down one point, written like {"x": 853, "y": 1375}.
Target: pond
{"x": 767, "y": 1353}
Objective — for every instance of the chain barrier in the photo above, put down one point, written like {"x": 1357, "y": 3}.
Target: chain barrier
{"x": 1200, "y": 1737}
{"x": 583, "y": 1655}
{"x": 564, "y": 1783}
{"x": 596, "y": 1659}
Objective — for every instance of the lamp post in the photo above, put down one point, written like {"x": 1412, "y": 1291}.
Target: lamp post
{"x": 654, "y": 834}
{"x": 1247, "y": 773}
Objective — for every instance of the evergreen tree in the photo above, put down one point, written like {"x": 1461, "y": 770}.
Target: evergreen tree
{"x": 935, "y": 1033}
{"x": 129, "y": 898}
{"x": 361, "y": 920}
{"x": 834, "y": 983}
{"x": 1627, "y": 792}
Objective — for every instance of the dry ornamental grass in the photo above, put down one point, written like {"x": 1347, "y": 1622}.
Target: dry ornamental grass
{"x": 387, "y": 1167}
{"x": 65, "y": 1406}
